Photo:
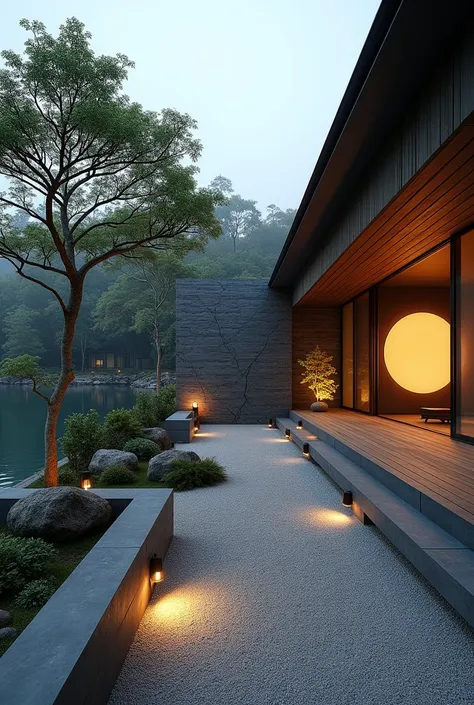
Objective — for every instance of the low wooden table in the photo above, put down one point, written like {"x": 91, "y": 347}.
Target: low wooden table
{"x": 437, "y": 413}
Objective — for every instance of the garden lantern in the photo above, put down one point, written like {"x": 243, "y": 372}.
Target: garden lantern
{"x": 86, "y": 480}
{"x": 157, "y": 574}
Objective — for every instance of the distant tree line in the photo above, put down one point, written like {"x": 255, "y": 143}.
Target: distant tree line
{"x": 131, "y": 306}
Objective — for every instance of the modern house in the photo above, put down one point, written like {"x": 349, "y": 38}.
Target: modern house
{"x": 378, "y": 271}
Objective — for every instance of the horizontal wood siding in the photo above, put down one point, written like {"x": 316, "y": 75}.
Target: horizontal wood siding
{"x": 311, "y": 327}
{"x": 447, "y": 102}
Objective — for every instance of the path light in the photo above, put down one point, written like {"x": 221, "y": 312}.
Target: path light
{"x": 306, "y": 449}
{"x": 270, "y": 423}
{"x": 86, "y": 481}
{"x": 196, "y": 416}
{"x": 157, "y": 574}
{"x": 287, "y": 433}
{"x": 299, "y": 425}
{"x": 347, "y": 499}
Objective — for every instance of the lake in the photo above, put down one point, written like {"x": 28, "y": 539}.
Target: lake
{"x": 22, "y": 417}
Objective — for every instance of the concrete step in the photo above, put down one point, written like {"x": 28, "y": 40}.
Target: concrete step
{"x": 441, "y": 558}
{"x": 433, "y": 506}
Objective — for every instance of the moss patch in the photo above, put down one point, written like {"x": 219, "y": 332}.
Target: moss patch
{"x": 68, "y": 557}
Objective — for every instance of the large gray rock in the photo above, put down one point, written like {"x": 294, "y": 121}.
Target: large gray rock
{"x": 103, "y": 459}
{"x": 58, "y": 514}
{"x": 158, "y": 436}
{"x": 5, "y": 618}
{"x": 160, "y": 465}
{"x": 8, "y": 633}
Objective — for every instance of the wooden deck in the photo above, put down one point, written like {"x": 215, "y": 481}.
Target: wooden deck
{"x": 436, "y": 465}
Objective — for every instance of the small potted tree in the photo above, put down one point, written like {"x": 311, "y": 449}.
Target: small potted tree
{"x": 318, "y": 375}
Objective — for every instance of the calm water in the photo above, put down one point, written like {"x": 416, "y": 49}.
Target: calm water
{"x": 22, "y": 417}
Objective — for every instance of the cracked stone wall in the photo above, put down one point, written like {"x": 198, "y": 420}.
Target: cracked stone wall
{"x": 233, "y": 349}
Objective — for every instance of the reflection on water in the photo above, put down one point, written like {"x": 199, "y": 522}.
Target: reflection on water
{"x": 22, "y": 417}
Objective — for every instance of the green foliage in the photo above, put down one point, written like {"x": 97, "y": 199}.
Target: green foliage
{"x": 143, "y": 448}
{"x": 35, "y": 594}
{"x": 186, "y": 474}
{"x": 82, "y": 437}
{"x": 319, "y": 374}
{"x": 117, "y": 475}
{"x": 20, "y": 333}
{"x": 68, "y": 477}
{"x": 26, "y": 367}
{"x": 152, "y": 409}
{"x": 21, "y": 560}
{"x": 120, "y": 426}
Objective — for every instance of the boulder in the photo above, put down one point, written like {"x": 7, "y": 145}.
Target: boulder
{"x": 8, "y": 633}
{"x": 160, "y": 465}
{"x": 58, "y": 514}
{"x": 5, "y": 619}
{"x": 158, "y": 436}
{"x": 103, "y": 459}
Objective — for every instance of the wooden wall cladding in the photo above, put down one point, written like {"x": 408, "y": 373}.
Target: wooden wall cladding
{"x": 311, "y": 327}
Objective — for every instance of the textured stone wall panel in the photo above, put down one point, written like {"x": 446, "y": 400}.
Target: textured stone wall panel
{"x": 233, "y": 349}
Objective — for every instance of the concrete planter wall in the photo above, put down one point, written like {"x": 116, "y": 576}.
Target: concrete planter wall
{"x": 72, "y": 651}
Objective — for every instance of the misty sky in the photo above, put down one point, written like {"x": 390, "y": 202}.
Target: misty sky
{"x": 263, "y": 78}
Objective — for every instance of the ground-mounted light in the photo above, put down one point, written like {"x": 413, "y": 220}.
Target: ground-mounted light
{"x": 306, "y": 450}
{"x": 197, "y": 425}
{"x": 299, "y": 425}
{"x": 287, "y": 433}
{"x": 157, "y": 574}
{"x": 347, "y": 498}
{"x": 86, "y": 481}
{"x": 270, "y": 423}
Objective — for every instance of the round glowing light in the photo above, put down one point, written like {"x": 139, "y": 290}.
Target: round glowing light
{"x": 417, "y": 353}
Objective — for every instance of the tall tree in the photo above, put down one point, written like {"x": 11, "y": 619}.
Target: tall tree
{"x": 239, "y": 216}
{"x": 98, "y": 176}
{"x": 142, "y": 301}
{"x": 20, "y": 332}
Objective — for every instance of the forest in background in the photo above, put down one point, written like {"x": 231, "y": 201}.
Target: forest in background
{"x": 131, "y": 309}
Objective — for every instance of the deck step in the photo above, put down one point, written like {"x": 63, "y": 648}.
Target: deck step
{"x": 440, "y": 557}
{"x": 448, "y": 517}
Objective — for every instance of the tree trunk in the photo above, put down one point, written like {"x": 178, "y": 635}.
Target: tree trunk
{"x": 159, "y": 356}
{"x": 66, "y": 376}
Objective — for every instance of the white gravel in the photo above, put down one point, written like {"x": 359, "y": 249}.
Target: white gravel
{"x": 277, "y": 595}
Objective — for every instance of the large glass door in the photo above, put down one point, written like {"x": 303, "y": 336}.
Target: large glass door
{"x": 356, "y": 362}
{"x": 463, "y": 416}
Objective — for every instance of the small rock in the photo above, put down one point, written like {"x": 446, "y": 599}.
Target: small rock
{"x": 160, "y": 465}
{"x": 58, "y": 514}
{"x": 103, "y": 459}
{"x": 5, "y": 618}
{"x": 158, "y": 436}
{"x": 8, "y": 633}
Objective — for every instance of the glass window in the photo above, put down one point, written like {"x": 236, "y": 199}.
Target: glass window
{"x": 362, "y": 352}
{"x": 348, "y": 355}
{"x": 464, "y": 413}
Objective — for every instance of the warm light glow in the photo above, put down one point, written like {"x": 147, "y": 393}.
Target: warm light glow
{"x": 86, "y": 481}
{"x": 311, "y": 516}
{"x": 157, "y": 577}
{"x": 195, "y": 405}
{"x": 86, "y": 484}
{"x": 417, "y": 353}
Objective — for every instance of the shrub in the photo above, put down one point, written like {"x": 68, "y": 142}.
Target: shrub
{"x": 67, "y": 476}
{"x": 118, "y": 475}
{"x": 120, "y": 426}
{"x": 143, "y": 448}
{"x": 152, "y": 409}
{"x": 35, "y": 594}
{"x": 186, "y": 474}
{"x": 82, "y": 437}
{"x": 21, "y": 560}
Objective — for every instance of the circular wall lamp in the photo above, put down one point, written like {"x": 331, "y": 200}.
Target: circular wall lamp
{"x": 417, "y": 352}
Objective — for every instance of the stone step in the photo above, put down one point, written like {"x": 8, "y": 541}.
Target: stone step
{"x": 442, "y": 559}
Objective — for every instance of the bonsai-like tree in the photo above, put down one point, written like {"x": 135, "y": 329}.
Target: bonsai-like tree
{"x": 319, "y": 374}
{"x": 97, "y": 177}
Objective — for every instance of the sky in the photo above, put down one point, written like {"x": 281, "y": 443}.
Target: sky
{"x": 263, "y": 78}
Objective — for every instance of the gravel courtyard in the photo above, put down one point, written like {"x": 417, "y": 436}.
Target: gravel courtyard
{"x": 277, "y": 595}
